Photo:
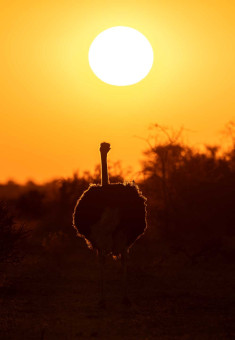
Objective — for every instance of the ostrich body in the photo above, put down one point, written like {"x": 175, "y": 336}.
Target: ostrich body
{"x": 110, "y": 217}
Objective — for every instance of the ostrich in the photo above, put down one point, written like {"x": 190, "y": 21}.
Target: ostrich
{"x": 110, "y": 217}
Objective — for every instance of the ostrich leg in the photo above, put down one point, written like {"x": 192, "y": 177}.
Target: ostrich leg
{"x": 125, "y": 299}
{"x": 102, "y": 302}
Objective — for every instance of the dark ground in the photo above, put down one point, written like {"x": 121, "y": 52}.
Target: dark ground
{"x": 57, "y": 298}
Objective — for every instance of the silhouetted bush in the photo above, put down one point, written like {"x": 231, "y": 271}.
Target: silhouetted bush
{"x": 30, "y": 204}
{"x": 11, "y": 237}
{"x": 191, "y": 198}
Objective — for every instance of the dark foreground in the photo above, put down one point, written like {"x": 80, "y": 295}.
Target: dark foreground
{"x": 57, "y": 298}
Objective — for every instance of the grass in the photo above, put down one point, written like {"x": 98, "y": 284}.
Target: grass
{"x": 50, "y": 297}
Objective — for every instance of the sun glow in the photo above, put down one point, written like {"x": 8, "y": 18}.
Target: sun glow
{"x": 121, "y": 56}
{"x": 53, "y": 105}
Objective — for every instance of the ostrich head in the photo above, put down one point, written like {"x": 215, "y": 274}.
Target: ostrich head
{"x": 104, "y": 149}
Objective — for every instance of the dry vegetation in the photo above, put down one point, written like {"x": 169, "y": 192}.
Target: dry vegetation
{"x": 181, "y": 273}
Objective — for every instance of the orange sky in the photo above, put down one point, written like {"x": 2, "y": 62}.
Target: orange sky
{"x": 55, "y": 112}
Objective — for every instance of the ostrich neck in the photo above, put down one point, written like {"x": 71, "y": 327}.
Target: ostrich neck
{"x": 104, "y": 168}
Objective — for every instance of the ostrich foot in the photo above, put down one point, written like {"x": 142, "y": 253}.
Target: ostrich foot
{"x": 126, "y": 301}
{"x": 102, "y": 304}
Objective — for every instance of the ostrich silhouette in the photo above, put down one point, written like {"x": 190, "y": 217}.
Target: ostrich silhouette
{"x": 110, "y": 217}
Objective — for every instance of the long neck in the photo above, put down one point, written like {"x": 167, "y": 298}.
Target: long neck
{"x": 104, "y": 169}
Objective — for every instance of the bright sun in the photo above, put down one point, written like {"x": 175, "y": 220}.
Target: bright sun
{"x": 121, "y": 56}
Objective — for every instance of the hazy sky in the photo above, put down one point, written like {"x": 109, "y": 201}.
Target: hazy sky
{"x": 55, "y": 112}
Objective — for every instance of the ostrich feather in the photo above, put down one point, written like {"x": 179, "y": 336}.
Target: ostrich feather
{"x": 110, "y": 217}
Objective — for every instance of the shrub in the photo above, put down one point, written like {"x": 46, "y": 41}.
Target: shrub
{"x": 11, "y": 237}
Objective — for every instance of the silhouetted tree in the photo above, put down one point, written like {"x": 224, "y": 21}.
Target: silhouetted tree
{"x": 191, "y": 196}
